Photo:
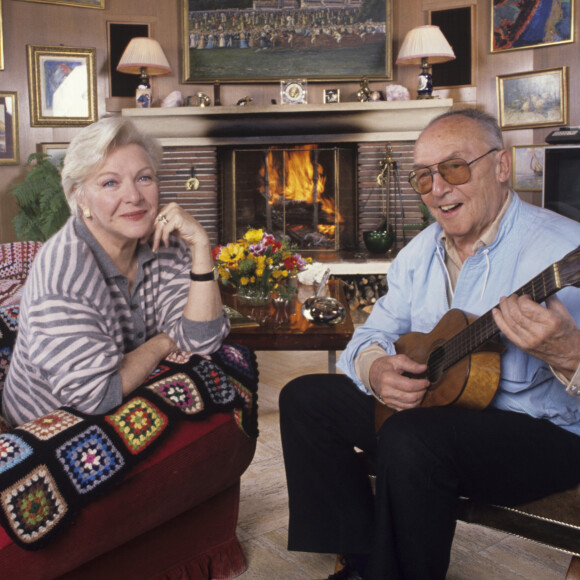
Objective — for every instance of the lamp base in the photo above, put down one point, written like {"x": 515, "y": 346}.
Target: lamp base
{"x": 425, "y": 85}
{"x": 144, "y": 94}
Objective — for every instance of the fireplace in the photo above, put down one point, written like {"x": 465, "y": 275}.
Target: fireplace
{"x": 304, "y": 193}
{"x": 350, "y": 140}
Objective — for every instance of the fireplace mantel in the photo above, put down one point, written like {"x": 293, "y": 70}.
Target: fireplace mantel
{"x": 337, "y": 122}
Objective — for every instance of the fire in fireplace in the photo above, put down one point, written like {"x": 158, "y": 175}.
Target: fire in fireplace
{"x": 306, "y": 193}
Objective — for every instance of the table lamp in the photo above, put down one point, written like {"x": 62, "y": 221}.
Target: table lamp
{"x": 145, "y": 57}
{"x": 425, "y": 45}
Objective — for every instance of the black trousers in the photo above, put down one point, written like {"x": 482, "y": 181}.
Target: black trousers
{"x": 426, "y": 458}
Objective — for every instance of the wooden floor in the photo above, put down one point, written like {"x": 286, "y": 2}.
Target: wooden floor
{"x": 478, "y": 553}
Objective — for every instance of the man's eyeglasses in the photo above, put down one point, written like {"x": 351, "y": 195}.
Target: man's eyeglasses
{"x": 454, "y": 171}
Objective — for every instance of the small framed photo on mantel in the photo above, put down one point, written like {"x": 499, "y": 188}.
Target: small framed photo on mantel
{"x": 331, "y": 96}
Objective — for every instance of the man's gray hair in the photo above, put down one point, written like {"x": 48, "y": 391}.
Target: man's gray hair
{"x": 485, "y": 120}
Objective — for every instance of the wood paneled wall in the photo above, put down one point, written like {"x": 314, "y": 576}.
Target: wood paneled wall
{"x": 28, "y": 22}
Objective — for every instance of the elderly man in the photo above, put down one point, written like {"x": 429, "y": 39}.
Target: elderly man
{"x": 485, "y": 246}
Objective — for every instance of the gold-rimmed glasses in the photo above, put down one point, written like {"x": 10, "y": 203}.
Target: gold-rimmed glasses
{"x": 454, "y": 171}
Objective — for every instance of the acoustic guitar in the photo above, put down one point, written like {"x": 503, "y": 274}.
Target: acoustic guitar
{"x": 463, "y": 364}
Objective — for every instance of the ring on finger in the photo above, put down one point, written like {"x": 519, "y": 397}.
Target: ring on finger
{"x": 161, "y": 218}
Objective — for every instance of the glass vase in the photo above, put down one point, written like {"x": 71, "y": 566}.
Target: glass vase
{"x": 254, "y": 295}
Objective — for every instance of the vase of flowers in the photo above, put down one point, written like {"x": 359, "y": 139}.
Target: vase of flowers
{"x": 257, "y": 265}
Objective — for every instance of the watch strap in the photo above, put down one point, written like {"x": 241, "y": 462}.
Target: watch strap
{"x": 206, "y": 277}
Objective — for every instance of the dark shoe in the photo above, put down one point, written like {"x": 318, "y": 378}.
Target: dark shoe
{"x": 347, "y": 573}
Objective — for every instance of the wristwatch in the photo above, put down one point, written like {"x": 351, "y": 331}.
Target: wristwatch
{"x": 212, "y": 275}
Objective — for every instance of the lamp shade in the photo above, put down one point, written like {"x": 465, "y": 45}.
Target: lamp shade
{"x": 144, "y": 53}
{"x": 425, "y": 42}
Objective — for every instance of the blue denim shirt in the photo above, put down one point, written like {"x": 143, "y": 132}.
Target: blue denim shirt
{"x": 529, "y": 240}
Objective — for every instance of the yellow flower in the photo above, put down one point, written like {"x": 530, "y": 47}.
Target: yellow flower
{"x": 233, "y": 252}
{"x": 244, "y": 280}
{"x": 253, "y": 236}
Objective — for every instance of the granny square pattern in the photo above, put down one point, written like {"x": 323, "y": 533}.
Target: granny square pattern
{"x": 53, "y": 466}
{"x": 13, "y": 450}
{"x": 34, "y": 505}
{"x": 9, "y": 315}
{"x": 50, "y": 425}
{"x": 5, "y": 357}
{"x": 161, "y": 369}
{"x": 16, "y": 258}
{"x": 89, "y": 459}
{"x": 237, "y": 356}
{"x": 219, "y": 387}
{"x": 139, "y": 423}
{"x": 179, "y": 391}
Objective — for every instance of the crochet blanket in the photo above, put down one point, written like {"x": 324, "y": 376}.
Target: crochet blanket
{"x": 51, "y": 467}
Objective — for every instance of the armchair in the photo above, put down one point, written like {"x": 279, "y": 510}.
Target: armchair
{"x": 172, "y": 515}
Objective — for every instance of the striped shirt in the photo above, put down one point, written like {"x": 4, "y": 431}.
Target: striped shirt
{"x": 77, "y": 320}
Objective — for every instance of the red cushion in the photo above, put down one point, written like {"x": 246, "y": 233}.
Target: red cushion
{"x": 196, "y": 462}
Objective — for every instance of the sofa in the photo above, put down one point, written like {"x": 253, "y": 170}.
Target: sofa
{"x": 172, "y": 515}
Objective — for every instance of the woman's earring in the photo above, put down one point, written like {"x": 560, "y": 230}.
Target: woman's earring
{"x": 87, "y": 213}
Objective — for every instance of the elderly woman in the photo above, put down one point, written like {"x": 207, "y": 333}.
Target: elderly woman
{"x": 120, "y": 287}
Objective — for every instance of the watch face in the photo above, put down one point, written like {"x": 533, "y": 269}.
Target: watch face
{"x": 293, "y": 91}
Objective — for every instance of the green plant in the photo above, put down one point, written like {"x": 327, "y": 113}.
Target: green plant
{"x": 43, "y": 208}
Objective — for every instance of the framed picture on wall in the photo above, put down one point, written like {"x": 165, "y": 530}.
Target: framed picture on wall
{"x": 62, "y": 85}
{"x": 533, "y": 99}
{"x": 516, "y": 24}
{"x": 9, "y": 142}
{"x": 239, "y": 43}
{"x": 1, "y": 39}
{"x": 80, "y": 3}
{"x": 458, "y": 27}
{"x": 119, "y": 35}
{"x": 55, "y": 152}
{"x": 528, "y": 167}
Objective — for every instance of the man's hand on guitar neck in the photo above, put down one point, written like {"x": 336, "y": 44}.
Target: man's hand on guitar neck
{"x": 392, "y": 387}
{"x": 550, "y": 334}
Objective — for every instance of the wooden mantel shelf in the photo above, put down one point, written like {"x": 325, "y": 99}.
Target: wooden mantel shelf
{"x": 338, "y": 122}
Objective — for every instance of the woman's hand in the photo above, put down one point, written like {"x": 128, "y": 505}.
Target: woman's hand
{"x": 173, "y": 219}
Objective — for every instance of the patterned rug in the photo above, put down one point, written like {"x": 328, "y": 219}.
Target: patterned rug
{"x": 51, "y": 467}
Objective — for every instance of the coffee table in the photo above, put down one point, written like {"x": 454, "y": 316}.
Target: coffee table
{"x": 289, "y": 330}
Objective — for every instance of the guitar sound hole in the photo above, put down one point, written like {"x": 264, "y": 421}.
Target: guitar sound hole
{"x": 435, "y": 365}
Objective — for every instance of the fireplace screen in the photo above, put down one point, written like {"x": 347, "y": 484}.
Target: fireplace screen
{"x": 306, "y": 193}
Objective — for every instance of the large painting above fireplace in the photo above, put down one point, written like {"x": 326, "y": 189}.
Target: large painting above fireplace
{"x": 268, "y": 40}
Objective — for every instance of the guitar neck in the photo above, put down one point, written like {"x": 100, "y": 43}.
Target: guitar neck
{"x": 484, "y": 328}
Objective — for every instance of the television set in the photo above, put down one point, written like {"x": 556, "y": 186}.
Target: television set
{"x": 561, "y": 188}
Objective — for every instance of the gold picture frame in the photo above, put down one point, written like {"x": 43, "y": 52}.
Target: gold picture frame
{"x": 63, "y": 86}
{"x": 331, "y": 96}
{"x": 528, "y": 167}
{"x": 517, "y": 25}
{"x": 9, "y": 135}
{"x": 54, "y": 151}
{"x": 99, "y": 4}
{"x": 258, "y": 45}
{"x": 1, "y": 39}
{"x": 533, "y": 99}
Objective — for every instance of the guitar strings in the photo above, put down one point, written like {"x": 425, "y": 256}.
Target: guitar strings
{"x": 484, "y": 328}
